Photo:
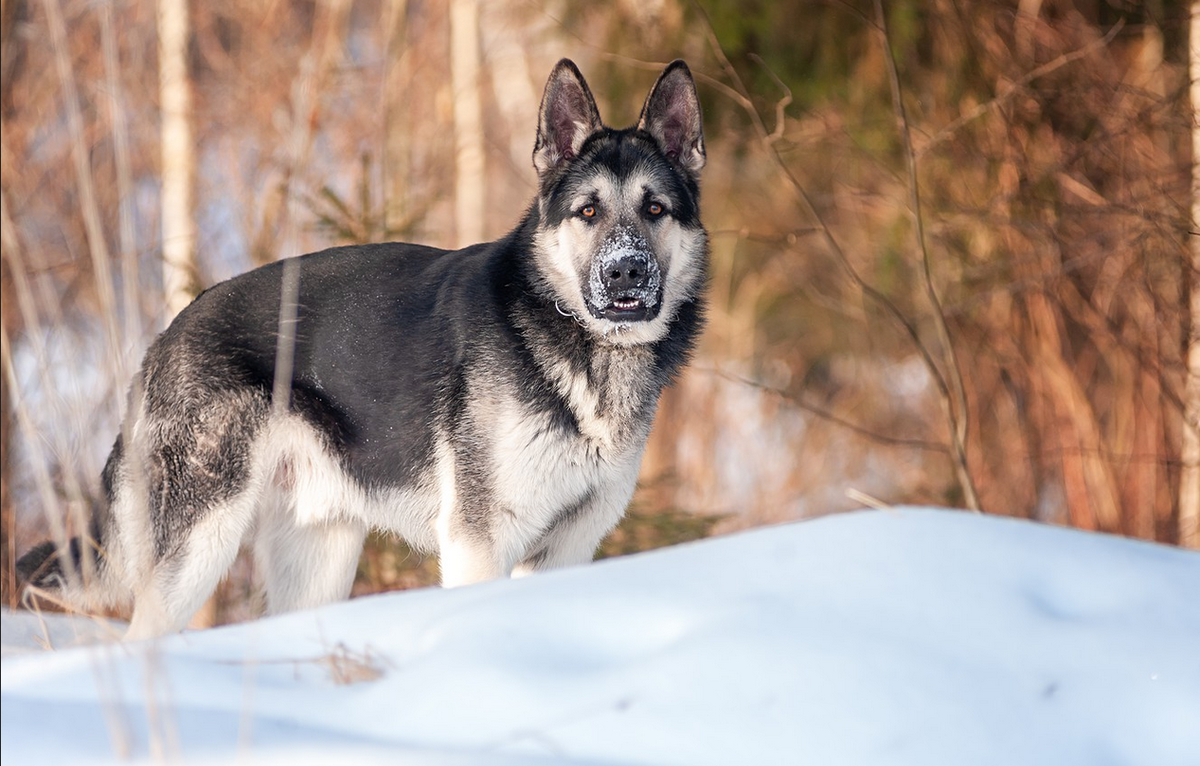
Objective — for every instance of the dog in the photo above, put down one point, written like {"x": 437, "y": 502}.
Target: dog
{"x": 491, "y": 404}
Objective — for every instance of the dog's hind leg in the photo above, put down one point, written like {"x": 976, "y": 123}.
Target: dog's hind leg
{"x": 179, "y": 583}
{"x": 200, "y": 475}
{"x": 303, "y": 565}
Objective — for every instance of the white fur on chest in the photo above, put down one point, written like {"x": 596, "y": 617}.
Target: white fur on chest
{"x": 542, "y": 469}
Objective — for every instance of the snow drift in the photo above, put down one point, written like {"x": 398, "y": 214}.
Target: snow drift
{"x": 912, "y": 636}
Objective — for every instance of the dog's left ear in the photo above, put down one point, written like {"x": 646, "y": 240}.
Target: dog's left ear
{"x": 672, "y": 115}
{"x": 567, "y": 117}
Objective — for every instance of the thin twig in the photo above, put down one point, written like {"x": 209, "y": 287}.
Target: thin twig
{"x": 810, "y": 209}
{"x": 742, "y": 96}
{"x": 781, "y": 105}
{"x": 285, "y": 345}
{"x": 870, "y": 501}
{"x": 955, "y": 410}
{"x": 120, "y": 131}
{"x": 41, "y": 476}
{"x": 317, "y": 64}
{"x": 26, "y": 306}
{"x": 824, "y": 414}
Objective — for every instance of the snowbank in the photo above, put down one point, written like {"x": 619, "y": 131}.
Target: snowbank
{"x": 912, "y": 636}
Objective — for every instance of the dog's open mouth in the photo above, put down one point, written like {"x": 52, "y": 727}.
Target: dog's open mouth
{"x": 626, "y": 309}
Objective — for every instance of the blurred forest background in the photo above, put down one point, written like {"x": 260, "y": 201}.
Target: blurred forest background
{"x": 951, "y": 240}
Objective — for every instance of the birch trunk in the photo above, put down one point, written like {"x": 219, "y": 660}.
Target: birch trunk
{"x": 396, "y": 95}
{"x": 178, "y": 156}
{"x": 178, "y": 177}
{"x": 508, "y": 59}
{"x": 468, "y": 121}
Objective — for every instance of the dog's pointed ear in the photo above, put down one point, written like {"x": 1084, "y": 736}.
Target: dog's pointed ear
{"x": 672, "y": 115}
{"x": 567, "y": 117}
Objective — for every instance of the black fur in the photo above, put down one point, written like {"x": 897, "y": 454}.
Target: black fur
{"x": 42, "y": 565}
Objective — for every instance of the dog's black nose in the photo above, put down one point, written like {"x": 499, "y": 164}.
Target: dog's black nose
{"x": 626, "y": 274}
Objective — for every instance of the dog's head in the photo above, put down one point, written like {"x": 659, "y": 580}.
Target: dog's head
{"x": 619, "y": 242}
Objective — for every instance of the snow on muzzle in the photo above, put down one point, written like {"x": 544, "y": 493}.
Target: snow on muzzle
{"x": 625, "y": 284}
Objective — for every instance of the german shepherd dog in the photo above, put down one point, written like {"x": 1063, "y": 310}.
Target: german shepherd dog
{"x": 491, "y": 403}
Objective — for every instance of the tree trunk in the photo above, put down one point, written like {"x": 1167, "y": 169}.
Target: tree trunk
{"x": 178, "y": 179}
{"x": 508, "y": 59}
{"x": 468, "y": 121}
{"x": 130, "y": 304}
{"x": 1189, "y": 480}
{"x": 397, "y": 91}
{"x": 178, "y": 157}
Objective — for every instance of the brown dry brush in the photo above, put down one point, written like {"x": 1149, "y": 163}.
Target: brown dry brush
{"x": 1062, "y": 218}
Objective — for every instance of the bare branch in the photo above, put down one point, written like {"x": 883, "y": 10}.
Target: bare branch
{"x": 781, "y": 105}
{"x": 1015, "y": 87}
{"x": 824, "y": 414}
{"x": 956, "y": 410}
{"x": 810, "y": 209}
{"x": 121, "y": 158}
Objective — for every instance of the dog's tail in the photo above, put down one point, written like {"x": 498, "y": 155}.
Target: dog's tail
{"x": 85, "y": 572}
{"x": 42, "y": 567}
{"x": 76, "y": 575}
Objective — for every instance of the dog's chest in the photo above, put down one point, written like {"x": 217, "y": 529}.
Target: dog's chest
{"x": 545, "y": 462}
{"x": 542, "y": 468}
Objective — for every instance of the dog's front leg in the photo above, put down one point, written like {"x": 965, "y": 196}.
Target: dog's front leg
{"x": 575, "y": 536}
{"x": 464, "y": 561}
{"x": 467, "y": 552}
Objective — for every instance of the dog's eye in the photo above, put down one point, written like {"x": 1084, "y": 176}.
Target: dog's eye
{"x": 588, "y": 211}
{"x": 654, "y": 209}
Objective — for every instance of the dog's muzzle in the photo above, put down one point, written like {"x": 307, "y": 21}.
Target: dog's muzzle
{"x": 626, "y": 283}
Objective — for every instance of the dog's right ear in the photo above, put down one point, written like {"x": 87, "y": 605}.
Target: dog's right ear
{"x": 567, "y": 117}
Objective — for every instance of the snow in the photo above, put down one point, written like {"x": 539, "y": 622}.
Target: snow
{"x": 909, "y": 636}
